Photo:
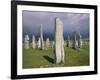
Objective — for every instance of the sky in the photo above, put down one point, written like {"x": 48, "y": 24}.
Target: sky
{"x": 31, "y": 21}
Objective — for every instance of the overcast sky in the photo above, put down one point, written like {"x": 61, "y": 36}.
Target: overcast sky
{"x": 31, "y": 21}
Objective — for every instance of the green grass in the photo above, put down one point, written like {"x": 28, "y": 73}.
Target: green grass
{"x": 36, "y": 58}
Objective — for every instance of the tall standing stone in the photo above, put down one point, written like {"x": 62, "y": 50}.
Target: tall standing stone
{"x": 39, "y": 43}
{"x": 59, "y": 43}
{"x": 33, "y": 41}
{"x": 26, "y": 42}
{"x": 68, "y": 42}
{"x": 74, "y": 41}
{"x": 41, "y": 37}
{"x": 47, "y": 43}
{"x": 79, "y": 40}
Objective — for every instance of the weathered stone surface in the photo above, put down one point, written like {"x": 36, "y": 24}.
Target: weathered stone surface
{"x": 33, "y": 42}
{"x": 26, "y": 42}
{"x": 41, "y": 37}
{"x": 74, "y": 41}
{"x": 47, "y": 43}
{"x": 59, "y": 43}
{"x": 79, "y": 40}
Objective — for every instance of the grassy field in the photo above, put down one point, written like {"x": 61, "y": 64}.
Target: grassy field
{"x": 36, "y": 58}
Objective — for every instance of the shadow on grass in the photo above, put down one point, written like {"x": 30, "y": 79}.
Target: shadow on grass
{"x": 49, "y": 59}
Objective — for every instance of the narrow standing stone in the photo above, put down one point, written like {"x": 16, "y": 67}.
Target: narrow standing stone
{"x": 75, "y": 41}
{"x": 59, "y": 43}
{"x": 47, "y": 43}
{"x": 33, "y": 41}
{"x": 41, "y": 37}
{"x": 79, "y": 40}
{"x": 26, "y": 42}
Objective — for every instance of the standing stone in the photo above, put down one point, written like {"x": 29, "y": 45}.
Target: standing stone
{"x": 33, "y": 41}
{"x": 68, "y": 42}
{"x": 26, "y": 42}
{"x": 41, "y": 37}
{"x": 74, "y": 41}
{"x": 59, "y": 43}
{"x": 47, "y": 43}
{"x": 39, "y": 43}
{"x": 79, "y": 40}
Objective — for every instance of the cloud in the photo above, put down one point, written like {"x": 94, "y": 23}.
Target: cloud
{"x": 71, "y": 21}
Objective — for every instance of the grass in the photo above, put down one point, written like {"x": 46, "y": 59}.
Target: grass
{"x": 36, "y": 58}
